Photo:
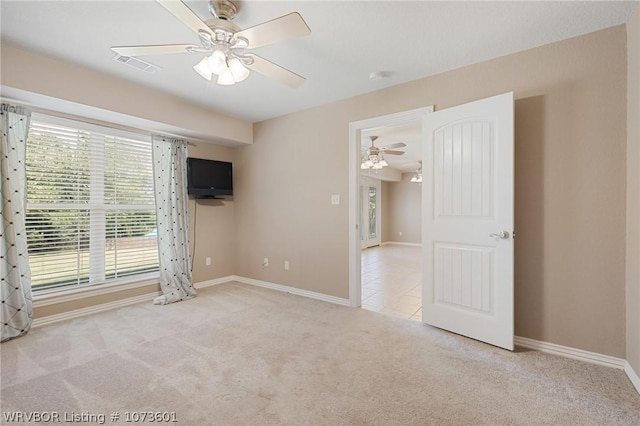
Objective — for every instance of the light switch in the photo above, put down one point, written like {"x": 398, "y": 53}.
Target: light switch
{"x": 335, "y": 199}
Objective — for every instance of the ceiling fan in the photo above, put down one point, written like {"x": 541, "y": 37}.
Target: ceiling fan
{"x": 226, "y": 46}
{"x": 373, "y": 158}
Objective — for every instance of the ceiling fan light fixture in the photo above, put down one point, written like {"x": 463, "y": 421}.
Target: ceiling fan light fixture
{"x": 222, "y": 40}
{"x": 238, "y": 70}
{"x": 203, "y": 69}
{"x": 382, "y": 162}
{"x": 367, "y": 163}
{"x": 417, "y": 175}
{"x": 217, "y": 62}
{"x": 226, "y": 79}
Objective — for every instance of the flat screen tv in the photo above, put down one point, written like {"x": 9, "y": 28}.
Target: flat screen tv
{"x": 209, "y": 178}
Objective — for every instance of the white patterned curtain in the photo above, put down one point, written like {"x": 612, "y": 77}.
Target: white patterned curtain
{"x": 170, "y": 177}
{"x": 16, "y": 312}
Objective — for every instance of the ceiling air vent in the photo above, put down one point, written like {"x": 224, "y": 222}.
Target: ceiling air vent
{"x": 137, "y": 63}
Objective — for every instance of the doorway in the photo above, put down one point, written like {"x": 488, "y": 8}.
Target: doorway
{"x": 355, "y": 223}
{"x": 467, "y": 229}
{"x": 391, "y": 266}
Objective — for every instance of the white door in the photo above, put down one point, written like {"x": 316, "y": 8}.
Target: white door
{"x": 468, "y": 166}
{"x": 369, "y": 212}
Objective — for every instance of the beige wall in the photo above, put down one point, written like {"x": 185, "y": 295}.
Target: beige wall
{"x": 633, "y": 191}
{"x": 385, "y": 211}
{"x": 283, "y": 203}
{"x": 403, "y": 207}
{"x": 570, "y": 186}
{"x": 212, "y": 224}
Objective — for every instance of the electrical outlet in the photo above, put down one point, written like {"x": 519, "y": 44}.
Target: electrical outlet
{"x": 265, "y": 262}
{"x": 207, "y": 261}
{"x": 286, "y": 265}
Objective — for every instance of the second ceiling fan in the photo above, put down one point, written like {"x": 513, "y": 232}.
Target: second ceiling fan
{"x": 373, "y": 158}
{"x": 226, "y": 46}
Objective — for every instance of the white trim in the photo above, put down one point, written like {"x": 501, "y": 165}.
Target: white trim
{"x": 573, "y": 353}
{"x": 355, "y": 129}
{"x": 399, "y": 243}
{"x": 215, "y": 281}
{"x": 580, "y": 355}
{"x": 632, "y": 375}
{"x": 293, "y": 290}
{"x": 79, "y": 293}
{"x": 76, "y": 313}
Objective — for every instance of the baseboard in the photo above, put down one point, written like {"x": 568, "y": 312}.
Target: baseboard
{"x": 567, "y": 352}
{"x": 293, "y": 290}
{"x": 49, "y": 319}
{"x": 632, "y": 375}
{"x": 216, "y": 281}
{"x": 399, "y": 243}
{"x": 76, "y": 313}
{"x": 55, "y": 297}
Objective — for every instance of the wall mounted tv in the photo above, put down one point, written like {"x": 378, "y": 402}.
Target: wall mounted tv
{"x": 209, "y": 178}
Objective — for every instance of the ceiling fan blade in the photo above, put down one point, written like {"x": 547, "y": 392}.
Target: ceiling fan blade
{"x": 163, "y": 49}
{"x": 276, "y": 72}
{"x": 279, "y": 29}
{"x": 186, "y": 15}
{"x": 392, "y": 152}
{"x": 396, "y": 145}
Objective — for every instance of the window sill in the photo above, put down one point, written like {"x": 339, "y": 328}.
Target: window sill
{"x": 55, "y": 296}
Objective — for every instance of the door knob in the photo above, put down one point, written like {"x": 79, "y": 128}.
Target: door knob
{"x": 503, "y": 235}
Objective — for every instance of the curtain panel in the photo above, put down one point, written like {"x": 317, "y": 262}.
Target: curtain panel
{"x": 15, "y": 274}
{"x": 170, "y": 178}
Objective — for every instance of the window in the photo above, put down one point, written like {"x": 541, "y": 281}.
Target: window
{"x": 90, "y": 204}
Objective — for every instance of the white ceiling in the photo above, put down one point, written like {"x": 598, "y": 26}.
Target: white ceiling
{"x": 348, "y": 41}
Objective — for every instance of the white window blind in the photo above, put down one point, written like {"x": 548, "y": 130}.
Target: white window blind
{"x": 90, "y": 204}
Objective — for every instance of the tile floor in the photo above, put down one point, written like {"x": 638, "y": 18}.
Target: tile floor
{"x": 391, "y": 280}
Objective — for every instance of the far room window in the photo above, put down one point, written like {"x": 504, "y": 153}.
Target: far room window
{"x": 90, "y": 204}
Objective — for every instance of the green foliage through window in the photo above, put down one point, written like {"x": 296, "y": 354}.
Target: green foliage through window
{"x": 90, "y": 204}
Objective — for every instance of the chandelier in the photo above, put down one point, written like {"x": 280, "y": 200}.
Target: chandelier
{"x": 227, "y": 59}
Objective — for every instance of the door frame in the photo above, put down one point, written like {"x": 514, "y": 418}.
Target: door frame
{"x": 355, "y": 135}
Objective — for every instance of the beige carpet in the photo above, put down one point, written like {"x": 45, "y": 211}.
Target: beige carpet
{"x": 240, "y": 355}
